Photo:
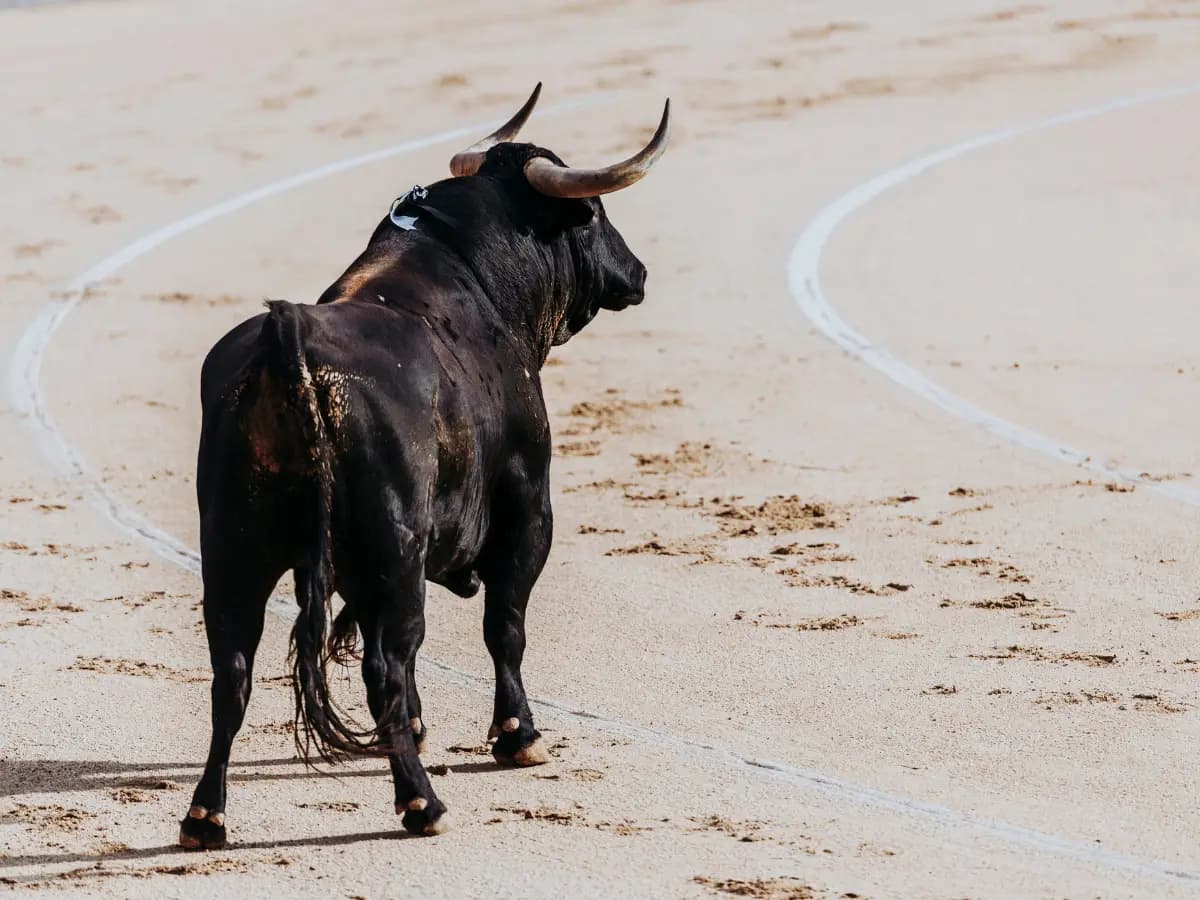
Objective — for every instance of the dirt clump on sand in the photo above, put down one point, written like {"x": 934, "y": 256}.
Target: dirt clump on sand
{"x": 598, "y": 529}
{"x": 830, "y": 623}
{"x": 127, "y": 795}
{"x": 578, "y": 448}
{"x": 1011, "y": 601}
{"x": 780, "y": 514}
{"x": 700, "y": 549}
{"x": 1147, "y": 701}
{"x": 813, "y": 554}
{"x": 985, "y": 567}
{"x": 746, "y": 831}
{"x": 798, "y": 578}
{"x": 552, "y": 816}
{"x": 693, "y": 459}
{"x": 759, "y": 888}
{"x": 43, "y": 817}
{"x": 614, "y": 414}
{"x": 105, "y": 665}
{"x": 1182, "y": 615}
{"x": 1041, "y": 654}
{"x": 332, "y": 806}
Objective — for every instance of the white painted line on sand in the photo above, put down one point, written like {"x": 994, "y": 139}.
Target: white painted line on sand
{"x": 26, "y": 364}
{"x": 805, "y": 282}
{"x": 27, "y": 395}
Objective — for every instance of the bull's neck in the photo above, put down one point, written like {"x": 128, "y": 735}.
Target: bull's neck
{"x": 529, "y": 286}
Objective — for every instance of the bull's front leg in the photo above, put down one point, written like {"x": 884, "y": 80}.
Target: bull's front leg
{"x": 514, "y": 561}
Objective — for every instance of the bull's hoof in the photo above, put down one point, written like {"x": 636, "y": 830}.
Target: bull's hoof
{"x": 508, "y": 751}
{"x": 424, "y": 818}
{"x": 202, "y": 830}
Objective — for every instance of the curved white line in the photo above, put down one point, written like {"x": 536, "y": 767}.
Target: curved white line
{"x": 25, "y": 371}
{"x": 30, "y": 352}
{"x": 805, "y": 283}
{"x": 26, "y": 364}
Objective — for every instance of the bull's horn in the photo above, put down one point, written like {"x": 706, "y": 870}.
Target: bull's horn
{"x": 467, "y": 162}
{"x": 562, "y": 181}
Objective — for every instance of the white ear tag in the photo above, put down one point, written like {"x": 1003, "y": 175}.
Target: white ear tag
{"x": 407, "y": 223}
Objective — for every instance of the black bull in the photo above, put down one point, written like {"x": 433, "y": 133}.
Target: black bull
{"x": 396, "y": 433}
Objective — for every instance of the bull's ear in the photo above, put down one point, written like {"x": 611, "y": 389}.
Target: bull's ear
{"x": 576, "y": 213}
{"x": 555, "y": 217}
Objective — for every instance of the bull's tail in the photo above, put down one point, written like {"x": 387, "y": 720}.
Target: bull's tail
{"x": 320, "y": 724}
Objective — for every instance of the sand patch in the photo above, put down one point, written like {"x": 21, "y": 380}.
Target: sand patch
{"x": 813, "y": 554}
{"x": 1041, "y": 654}
{"x": 798, "y": 578}
{"x": 830, "y": 623}
{"x": 1011, "y": 601}
{"x": 198, "y": 299}
{"x": 693, "y": 459}
{"x": 747, "y": 831}
{"x": 779, "y": 514}
{"x": 598, "y": 529}
{"x": 759, "y": 888}
{"x": 1147, "y": 701}
{"x": 34, "y": 249}
{"x": 105, "y": 665}
{"x": 1182, "y": 615}
{"x": 571, "y": 817}
{"x": 46, "y": 817}
{"x": 698, "y": 548}
{"x": 127, "y": 795}
{"x": 209, "y": 866}
{"x": 985, "y": 567}
{"x": 343, "y": 806}
{"x": 578, "y": 448}
{"x": 615, "y": 414}
{"x": 1010, "y": 14}
{"x": 822, "y": 32}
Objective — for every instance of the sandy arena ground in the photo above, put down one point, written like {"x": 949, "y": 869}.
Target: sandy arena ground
{"x": 827, "y": 638}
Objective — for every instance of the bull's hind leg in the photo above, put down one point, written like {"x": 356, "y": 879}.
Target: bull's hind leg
{"x": 393, "y": 627}
{"x": 420, "y": 733}
{"x": 521, "y": 529}
{"x": 235, "y": 598}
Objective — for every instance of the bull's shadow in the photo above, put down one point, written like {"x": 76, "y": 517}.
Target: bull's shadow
{"x": 89, "y": 870}
{"x": 57, "y": 776}
{"x": 62, "y": 776}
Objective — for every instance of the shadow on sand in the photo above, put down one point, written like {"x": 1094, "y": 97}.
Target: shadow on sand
{"x": 18, "y": 777}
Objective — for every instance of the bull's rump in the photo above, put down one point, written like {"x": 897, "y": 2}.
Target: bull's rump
{"x": 362, "y": 399}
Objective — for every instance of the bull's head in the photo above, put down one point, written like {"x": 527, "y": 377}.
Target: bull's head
{"x": 567, "y": 207}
